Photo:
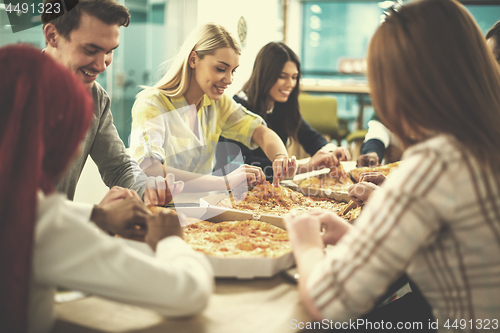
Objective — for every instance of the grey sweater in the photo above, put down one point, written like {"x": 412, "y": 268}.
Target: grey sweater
{"x": 107, "y": 150}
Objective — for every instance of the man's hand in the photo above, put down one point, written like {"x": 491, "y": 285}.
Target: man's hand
{"x": 122, "y": 212}
{"x": 162, "y": 225}
{"x": 368, "y": 160}
{"x": 323, "y": 159}
{"x": 160, "y": 191}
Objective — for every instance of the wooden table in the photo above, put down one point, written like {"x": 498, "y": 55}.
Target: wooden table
{"x": 360, "y": 89}
{"x": 263, "y": 305}
{"x": 237, "y": 306}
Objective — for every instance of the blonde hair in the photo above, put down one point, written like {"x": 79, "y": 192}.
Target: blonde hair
{"x": 430, "y": 71}
{"x": 204, "y": 41}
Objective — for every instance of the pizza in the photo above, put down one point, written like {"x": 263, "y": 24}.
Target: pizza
{"x": 238, "y": 239}
{"x": 277, "y": 200}
{"x": 385, "y": 169}
{"x": 247, "y": 238}
{"x": 337, "y": 179}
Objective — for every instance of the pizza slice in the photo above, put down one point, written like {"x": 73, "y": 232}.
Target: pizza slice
{"x": 385, "y": 169}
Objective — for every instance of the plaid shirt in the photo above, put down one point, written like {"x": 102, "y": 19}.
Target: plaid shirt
{"x": 437, "y": 218}
{"x": 160, "y": 128}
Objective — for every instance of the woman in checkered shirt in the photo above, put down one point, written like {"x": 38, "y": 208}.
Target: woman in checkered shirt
{"x": 436, "y": 85}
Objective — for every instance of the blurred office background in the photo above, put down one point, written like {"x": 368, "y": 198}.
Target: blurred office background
{"x": 331, "y": 37}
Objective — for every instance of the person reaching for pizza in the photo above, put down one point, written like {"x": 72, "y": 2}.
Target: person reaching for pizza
{"x": 83, "y": 38}
{"x": 435, "y": 84}
{"x": 176, "y": 124}
{"x": 46, "y": 241}
{"x": 272, "y": 92}
{"x": 369, "y": 182}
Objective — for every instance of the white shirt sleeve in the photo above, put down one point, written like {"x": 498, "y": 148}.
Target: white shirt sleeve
{"x": 376, "y": 130}
{"x": 69, "y": 252}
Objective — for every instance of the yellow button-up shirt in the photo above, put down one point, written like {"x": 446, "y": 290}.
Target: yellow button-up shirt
{"x": 161, "y": 129}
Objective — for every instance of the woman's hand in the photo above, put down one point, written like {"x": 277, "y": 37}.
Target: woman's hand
{"x": 320, "y": 160}
{"x": 160, "y": 191}
{"x": 333, "y": 226}
{"x": 361, "y": 192}
{"x": 303, "y": 232}
{"x": 162, "y": 225}
{"x": 323, "y": 159}
{"x": 283, "y": 167}
{"x": 245, "y": 175}
{"x": 376, "y": 178}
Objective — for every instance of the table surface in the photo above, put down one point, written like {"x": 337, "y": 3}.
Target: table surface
{"x": 257, "y": 305}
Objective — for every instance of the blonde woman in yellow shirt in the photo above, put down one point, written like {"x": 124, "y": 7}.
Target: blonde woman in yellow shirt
{"x": 178, "y": 121}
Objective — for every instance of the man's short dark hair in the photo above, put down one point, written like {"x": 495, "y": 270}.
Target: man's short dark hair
{"x": 68, "y": 18}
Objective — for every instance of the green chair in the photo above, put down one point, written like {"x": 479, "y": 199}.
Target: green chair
{"x": 320, "y": 112}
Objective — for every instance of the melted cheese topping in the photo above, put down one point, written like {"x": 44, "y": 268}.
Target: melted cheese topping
{"x": 268, "y": 199}
{"x": 238, "y": 239}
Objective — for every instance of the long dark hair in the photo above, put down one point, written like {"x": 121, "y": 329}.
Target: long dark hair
{"x": 266, "y": 71}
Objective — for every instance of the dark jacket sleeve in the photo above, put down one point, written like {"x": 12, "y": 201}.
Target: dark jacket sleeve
{"x": 309, "y": 139}
{"x": 228, "y": 149}
{"x": 373, "y": 146}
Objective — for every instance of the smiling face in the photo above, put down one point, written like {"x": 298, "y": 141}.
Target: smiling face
{"x": 287, "y": 81}
{"x": 88, "y": 50}
{"x": 212, "y": 74}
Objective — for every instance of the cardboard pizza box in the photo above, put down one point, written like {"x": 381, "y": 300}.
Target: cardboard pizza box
{"x": 338, "y": 193}
{"x": 240, "y": 268}
{"x": 228, "y": 214}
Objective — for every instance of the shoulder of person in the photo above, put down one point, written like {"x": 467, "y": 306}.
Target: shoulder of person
{"x": 241, "y": 98}
{"x": 152, "y": 97}
{"x": 441, "y": 147}
{"x": 101, "y": 99}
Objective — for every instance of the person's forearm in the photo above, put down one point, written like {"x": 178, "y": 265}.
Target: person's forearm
{"x": 269, "y": 142}
{"x": 193, "y": 182}
{"x": 305, "y": 264}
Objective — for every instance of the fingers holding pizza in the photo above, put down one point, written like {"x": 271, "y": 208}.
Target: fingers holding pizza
{"x": 361, "y": 192}
{"x": 161, "y": 190}
{"x": 283, "y": 166}
{"x": 246, "y": 175}
{"x": 375, "y": 177}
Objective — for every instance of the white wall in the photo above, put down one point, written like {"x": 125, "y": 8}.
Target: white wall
{"x": 264, "y": 22}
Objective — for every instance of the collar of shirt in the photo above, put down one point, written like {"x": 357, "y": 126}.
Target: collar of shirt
{"x": 179, "y": 102}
